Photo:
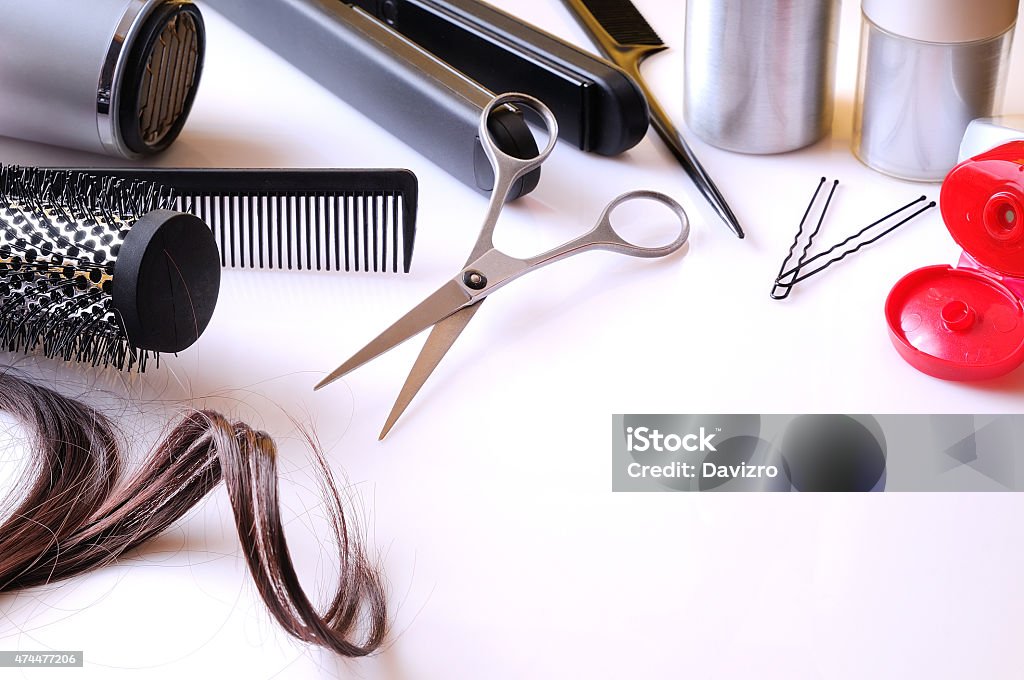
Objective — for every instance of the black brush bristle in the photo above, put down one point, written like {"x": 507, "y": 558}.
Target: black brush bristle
{"x": 60, "y": 235}
{"x": 623, "y": 22}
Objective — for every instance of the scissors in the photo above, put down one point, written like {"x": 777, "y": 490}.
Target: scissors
{"x": 453, "y": 306}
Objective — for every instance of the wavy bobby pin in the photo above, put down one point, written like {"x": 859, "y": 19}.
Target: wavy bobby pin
{"x": 79, "y": 512}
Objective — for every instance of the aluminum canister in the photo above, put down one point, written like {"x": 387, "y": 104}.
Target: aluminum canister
{"x": 759, "y": 73}
{"x": 115, "y": 77}
{"x": 927, "y": 69}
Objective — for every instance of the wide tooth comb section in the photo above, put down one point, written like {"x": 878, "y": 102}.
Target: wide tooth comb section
{"x": 360, "y": 232}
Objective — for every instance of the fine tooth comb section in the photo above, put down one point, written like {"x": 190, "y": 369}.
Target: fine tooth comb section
{"x": 302, "y": 220}
{"x": 623, "y": 22}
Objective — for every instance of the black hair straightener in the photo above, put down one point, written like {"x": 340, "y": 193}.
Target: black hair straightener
{"x": 424, "y": 70}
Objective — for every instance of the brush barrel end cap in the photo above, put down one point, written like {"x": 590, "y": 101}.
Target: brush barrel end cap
{"x": 167, "y": 281}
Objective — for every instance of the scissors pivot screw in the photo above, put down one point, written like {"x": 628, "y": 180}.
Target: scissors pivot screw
{"x": 474, "y": 280}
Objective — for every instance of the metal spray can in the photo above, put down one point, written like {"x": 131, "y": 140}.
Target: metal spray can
{"x": 760, "y": 73}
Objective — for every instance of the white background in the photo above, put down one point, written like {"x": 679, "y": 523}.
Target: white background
{"x": 490, "y": 505}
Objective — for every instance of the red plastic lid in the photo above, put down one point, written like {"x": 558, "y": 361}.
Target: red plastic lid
{"x": 982, "y": 203}
{"x": 956, "y": 324}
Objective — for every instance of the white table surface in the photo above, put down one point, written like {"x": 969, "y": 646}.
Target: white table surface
{"x": 490, "y": 506}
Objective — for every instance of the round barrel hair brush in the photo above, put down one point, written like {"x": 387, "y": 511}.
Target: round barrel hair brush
{"x": 97, "y": 270}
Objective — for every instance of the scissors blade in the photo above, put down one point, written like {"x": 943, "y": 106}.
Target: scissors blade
{"x": 448, "y": 299}
{"x": 441, "y": 339}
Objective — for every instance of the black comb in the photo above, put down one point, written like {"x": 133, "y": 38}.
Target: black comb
{"x": 304, "y": 220}
{"x": 622, "y": 21}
